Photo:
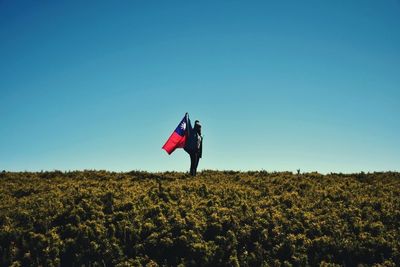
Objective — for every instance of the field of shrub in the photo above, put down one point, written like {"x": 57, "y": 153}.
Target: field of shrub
{"x": 219, "y": 218}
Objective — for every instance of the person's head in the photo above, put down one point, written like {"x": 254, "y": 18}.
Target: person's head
{"x": 197, "y": 126}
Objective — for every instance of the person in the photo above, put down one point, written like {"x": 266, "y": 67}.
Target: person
{"x": 194, "y": 147}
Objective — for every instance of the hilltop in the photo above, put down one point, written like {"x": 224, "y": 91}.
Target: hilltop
{"x": 219, "y": 218}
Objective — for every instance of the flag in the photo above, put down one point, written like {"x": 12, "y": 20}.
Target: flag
{"x": 179, "y": 136}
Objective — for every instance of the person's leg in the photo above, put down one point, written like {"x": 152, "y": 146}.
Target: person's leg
{"x": 196, "y": 162}
{"x": 192, "y": 163}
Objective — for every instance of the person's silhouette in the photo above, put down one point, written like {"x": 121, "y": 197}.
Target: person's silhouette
{"x": 194, "y": 147}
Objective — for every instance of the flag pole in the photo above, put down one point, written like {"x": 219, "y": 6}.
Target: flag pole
{"x": 187, "y": 123}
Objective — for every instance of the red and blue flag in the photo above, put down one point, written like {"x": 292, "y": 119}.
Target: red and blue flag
{"x": 179, "y": 136}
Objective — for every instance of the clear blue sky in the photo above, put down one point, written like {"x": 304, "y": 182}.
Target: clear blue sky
{"x": 277, "y": 85}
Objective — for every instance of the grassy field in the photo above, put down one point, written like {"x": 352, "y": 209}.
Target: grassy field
{"x": 219, "y": 218}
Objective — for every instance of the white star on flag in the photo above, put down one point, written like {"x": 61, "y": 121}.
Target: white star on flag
{"x": 183, "y": 125}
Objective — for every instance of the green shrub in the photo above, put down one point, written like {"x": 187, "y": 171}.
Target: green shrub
{"x": 219, "y": 218}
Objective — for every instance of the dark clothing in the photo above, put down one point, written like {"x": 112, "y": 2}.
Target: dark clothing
{"x": 195, "y": 149}
{"x": 195, "y": 155}
{"x": 193, "y": 143}
{"x": 194, "y": 146}
{"x": 194, "y": 162}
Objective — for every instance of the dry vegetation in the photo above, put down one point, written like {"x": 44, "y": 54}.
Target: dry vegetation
{"x": 220, "y": 218}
